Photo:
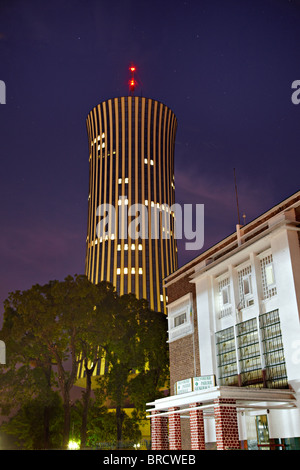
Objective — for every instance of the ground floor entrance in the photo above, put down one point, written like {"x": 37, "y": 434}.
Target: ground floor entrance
{"x": 226, "y": 418}
{"x": 258, "y": 435}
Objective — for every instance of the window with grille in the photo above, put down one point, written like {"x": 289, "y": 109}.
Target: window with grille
{"x": 268, "y": 277}
{"x": 224, "y": 297}
{"x": 245, "y": 349}
{"x": 276, "y": 375}
{"x": 226, "y": 357}
{"x": 249, "y": 354}
{"x": 245, "y": 287}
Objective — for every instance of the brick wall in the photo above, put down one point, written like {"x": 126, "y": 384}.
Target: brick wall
{"x": 179, "y": 288}
{"x": 159, "y": 432}
{"x": 197, "y": 428}
{"x": 174, "y": 430}
{"x": 227, "y": 433}
{"x": 185, "y": 433}
{"x": 182, "y": 359}
{"x": 183, "y": 350}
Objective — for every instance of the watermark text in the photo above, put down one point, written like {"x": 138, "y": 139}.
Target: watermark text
{"x": 2, "y": 92}
{"x": 2, "y": 352}
{"x": 296, "y": 94}
{"x": 153, "y": 221}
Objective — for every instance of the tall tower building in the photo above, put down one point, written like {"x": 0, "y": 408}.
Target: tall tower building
{"x": 130, "y": 236}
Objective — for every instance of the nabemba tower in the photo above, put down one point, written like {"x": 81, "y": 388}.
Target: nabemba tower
{"x": 131, "y": 225}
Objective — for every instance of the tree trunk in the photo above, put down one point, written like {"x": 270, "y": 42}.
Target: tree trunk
{"x": 47, "y": 371}
{"x": 67, "y": 422}
{"x": 65, "y": 386}
{"x": 120, "y": 418}
{"x": 86, "y": 402}
{"x": 46, "y": 427}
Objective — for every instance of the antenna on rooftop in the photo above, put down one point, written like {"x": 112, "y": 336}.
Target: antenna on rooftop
{"x": 237, "y": 200}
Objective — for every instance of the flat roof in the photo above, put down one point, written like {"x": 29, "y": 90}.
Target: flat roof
{"x": 245, "y": 398}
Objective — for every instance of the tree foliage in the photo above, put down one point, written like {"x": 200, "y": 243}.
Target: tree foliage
{"x": 137, "y": 357}
{"x": 27, "y": 425}
{"x": 48, "y": 329}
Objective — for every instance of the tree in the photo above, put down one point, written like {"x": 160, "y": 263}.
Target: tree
{"x": 101, "y": 424}
{"x": 27, "y": 425}
{"x": 48, "y": 329}
{"x": 152, "y": 378}
{"x": 94, "y": 339}
{"x": 50, "y": 324}
{"x": 137, "y": 356}
{"x": 28, "y": 373}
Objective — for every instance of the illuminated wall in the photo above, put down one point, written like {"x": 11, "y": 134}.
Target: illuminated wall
{"x": 131, "y": 155}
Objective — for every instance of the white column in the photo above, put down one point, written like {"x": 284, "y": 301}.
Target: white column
{"x": 205, "y": 325}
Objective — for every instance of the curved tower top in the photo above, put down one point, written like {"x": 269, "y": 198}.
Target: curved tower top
{"x": 130, "y": 234}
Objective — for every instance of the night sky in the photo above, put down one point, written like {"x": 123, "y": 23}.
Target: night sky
{"x": 224, "y": 67}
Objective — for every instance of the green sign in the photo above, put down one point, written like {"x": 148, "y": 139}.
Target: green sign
{"x": 184, "y": 386}
{"x": 204, "y": 382}
{"x": 196, "y": 383}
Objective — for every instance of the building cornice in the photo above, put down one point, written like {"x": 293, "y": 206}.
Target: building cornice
{"x": 235, "y": 241}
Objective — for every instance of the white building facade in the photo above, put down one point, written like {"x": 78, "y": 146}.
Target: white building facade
{"x": 234, "y": 338}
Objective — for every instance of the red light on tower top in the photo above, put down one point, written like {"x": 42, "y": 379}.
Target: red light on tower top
{"x": 132, "y": 81}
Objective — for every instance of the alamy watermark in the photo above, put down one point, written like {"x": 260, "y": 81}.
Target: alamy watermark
{"x": 296, "y": 94}
{"x": 2, "y": 352}
{"x": 133, "y": 222}
{"x": 2, "y": 92}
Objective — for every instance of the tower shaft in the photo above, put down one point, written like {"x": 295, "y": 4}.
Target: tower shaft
{"x": 131, "y": 156}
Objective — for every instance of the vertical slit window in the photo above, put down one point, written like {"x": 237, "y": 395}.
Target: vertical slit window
{"x": 268, "y": 277}
{"x": 245, "y": 287}
{"x": 224, "y": 297}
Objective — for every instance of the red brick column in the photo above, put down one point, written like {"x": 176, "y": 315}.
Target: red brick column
{"x": 197, "y": 428}
{"x": 226, "y": 425}
{"x": 159, "y": 431}
{"x": 174, "y": 430}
